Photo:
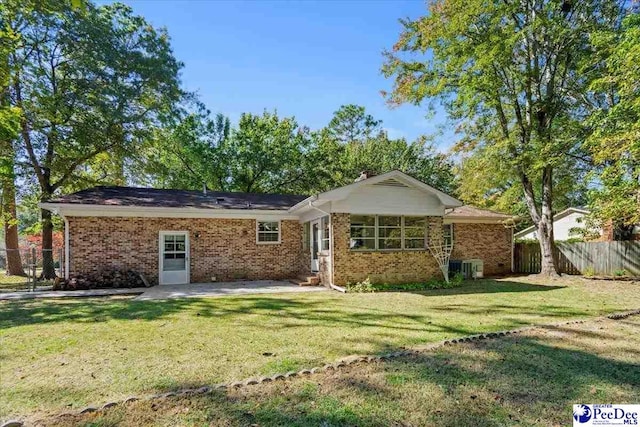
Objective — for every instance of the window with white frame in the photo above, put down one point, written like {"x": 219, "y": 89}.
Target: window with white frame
{"x": 387, "y": 232}
{"x": 324, "y": 226}
{"x": 268, "y": 231}
{"x": 363, "y": 232}
{"x": 447, "y": 235}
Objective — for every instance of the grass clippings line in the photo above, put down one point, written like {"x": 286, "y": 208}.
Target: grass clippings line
{"x": 346, "y": 361}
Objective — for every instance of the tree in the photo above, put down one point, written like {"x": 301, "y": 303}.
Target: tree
{"x": 267, "y": 154}
{"x": 615, "y": 122}
{"x": 509, "y": 72}
{"x": 362, "y": 145}
{"x": 9, "y": 128}
{"x": 91, "y": 83}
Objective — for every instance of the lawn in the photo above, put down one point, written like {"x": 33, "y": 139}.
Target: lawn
{"x": 64, "y": 354}
{"x": 531, "y": 379}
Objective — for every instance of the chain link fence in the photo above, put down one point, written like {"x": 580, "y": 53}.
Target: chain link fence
{"x": 30, "y": 276}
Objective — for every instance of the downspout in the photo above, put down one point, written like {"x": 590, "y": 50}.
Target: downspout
{"x": 312, "y": 206}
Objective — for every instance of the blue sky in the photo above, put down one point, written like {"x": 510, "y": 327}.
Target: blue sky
{"x": 303, "y": 59}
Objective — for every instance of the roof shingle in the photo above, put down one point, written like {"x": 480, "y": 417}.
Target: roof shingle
{"x": 153, "y": 197}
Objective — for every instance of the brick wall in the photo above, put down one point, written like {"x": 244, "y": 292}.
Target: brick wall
{"x": 225, "y": 248}
{"x": 489, "y": 242}
{"x": 390, "y": 267}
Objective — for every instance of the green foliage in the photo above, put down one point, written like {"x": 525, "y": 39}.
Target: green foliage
{"x": 511, "y": 73}
{"x": 620, "y": 273}
{"x": 589, "y": 272}
{"x": 615, "y": 120}
{"x": 366, "y": 286}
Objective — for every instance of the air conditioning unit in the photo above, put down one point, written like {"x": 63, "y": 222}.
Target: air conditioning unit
{"x": 472, "y": 268}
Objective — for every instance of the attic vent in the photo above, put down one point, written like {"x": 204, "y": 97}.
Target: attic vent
{"x": 391, "y": 183}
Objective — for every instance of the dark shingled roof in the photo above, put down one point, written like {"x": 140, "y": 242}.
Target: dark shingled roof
{"x": 153, "y": 197}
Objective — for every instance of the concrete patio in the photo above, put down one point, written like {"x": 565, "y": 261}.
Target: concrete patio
{"x": 193, "y": 290}
{"x": 198, "y": 290}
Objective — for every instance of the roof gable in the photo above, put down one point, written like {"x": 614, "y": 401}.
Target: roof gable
{"x": 393, "y": 180}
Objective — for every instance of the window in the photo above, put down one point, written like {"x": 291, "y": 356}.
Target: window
{"x": 306, "y": 235}
{"x": 447, "y": 235}
{"x": 268, "y": 231}
{"x": 383, "y": 232}
{"x": 324, "y": 223}
{"x": 363, "y": 232}
{"x": 389, "y": 232}
{"x": 415, "y": 232}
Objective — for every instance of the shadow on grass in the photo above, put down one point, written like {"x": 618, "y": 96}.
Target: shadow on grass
{"x": 516, "y": 380}
{"x": 328, "y": 308}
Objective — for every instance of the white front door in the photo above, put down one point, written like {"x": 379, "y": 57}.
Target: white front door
{"x": 174, "y": 257}
{"x": 315, "y": 244}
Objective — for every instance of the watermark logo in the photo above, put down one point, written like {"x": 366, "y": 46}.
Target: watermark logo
{"x": 581, "y": 413}
{"x": 606, "y": 415}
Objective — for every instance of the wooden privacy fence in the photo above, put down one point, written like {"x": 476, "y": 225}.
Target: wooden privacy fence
{"x": 601, "y": 258}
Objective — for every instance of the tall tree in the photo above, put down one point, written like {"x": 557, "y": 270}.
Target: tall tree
{"x": 615, "y": 122}
{"x": 90, "y": 82}
{"x": 9, "y": 129}
{"x": 365, "y": 146}
{"x": 266, "y": 154}
{"x": 509, "y": 72}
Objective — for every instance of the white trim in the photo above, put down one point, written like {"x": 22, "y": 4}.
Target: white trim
{"x": 187, "y": 248}
{"x": 66, "y": 209}
{"x": 258, "y": 221}
{"x": 313, "y": 238}
{"x": 343, "y": 192}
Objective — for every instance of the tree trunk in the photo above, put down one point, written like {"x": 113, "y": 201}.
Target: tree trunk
{"x": 543, "y": 220}
{"x": 545, "y": 226}
{"x": 48, "y": 267}
{"x": 14, "y": 262}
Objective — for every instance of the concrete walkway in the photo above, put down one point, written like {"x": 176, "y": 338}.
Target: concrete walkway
{"x": 197, "y": 290}
{"x": 193, "y": 290}
{"x": 72, "y": 294}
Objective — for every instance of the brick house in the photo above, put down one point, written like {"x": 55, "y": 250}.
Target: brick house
{"x": 377, "y": 227}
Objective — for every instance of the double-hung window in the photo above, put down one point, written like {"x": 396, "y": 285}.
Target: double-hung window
{"x": 447, "y": 235}
{"x": 324, "y": 226}
{"x": 268, "y": 232}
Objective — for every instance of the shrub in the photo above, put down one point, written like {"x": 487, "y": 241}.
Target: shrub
{"x": 589, "y": 272}
{"x": 620, "y": 273}
{"x": 367, "y": 287}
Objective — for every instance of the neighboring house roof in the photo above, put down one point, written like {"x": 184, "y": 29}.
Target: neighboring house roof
{"x": 556, "y": 217}
{"x": 472, "y": 214}
{"x": 152, "y": 197}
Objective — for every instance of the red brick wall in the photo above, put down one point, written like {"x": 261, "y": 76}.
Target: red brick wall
{"x": 380, "y": 266}
{"x": 489, "y": 242}
{"x": 224, "y": 248}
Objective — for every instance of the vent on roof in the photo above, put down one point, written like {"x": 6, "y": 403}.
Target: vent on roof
{"x": 391, "y": 183}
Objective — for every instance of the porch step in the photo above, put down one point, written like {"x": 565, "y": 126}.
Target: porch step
{"x": 302, "y": 280}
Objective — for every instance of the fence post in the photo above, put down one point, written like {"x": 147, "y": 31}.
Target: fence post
{"x": 33, "y": 266}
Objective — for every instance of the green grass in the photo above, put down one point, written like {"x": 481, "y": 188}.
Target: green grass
{"x": 17, "y": 283}
{"x": 531, "y": 379}
{"x": 58, "y": 355}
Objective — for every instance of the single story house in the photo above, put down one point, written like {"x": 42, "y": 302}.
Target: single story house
{"x": 377, "y": 227}
{"x": 565, "y": 226}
